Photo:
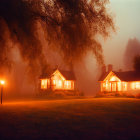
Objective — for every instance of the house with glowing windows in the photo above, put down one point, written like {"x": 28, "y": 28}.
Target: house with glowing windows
{"x": 120, "y": 82}
{"x": 58, "y": 80}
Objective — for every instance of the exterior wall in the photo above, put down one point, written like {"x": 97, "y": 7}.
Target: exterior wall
{"x": 114, "y": 86}
{"x": 63, "y": 85}
{"x": 57, "y": 84}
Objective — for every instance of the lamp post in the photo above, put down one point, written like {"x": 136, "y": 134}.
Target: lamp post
{"x": 2, "y": 82}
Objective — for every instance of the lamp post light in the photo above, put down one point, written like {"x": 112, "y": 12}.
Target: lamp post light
{"x": 2, "y": 82}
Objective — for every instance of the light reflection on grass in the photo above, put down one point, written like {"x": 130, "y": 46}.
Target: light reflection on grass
{"x": 94, "y": 118}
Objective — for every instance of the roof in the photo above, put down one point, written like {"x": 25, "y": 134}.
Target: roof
{"x": 68, "y": 75}
{"x": 124, "y": 76}
{"x": 103, "y": 76}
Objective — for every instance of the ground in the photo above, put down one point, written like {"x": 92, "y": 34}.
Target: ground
{"x": 75, "y": 119}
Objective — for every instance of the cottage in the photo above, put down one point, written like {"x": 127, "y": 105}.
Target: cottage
{"x": 120, "y": 82}
{"x": 58, "y": 80}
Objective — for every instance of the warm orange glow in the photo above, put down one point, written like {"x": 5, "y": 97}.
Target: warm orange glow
{"x": 2, "y": 82}
{"x": 68, "y": 84}
{"x": 124, "y": 86}
{"x": 119, "y": 86}
{"x": 44, "y": 84}
{"x": 113, "y": 84}
{"x": 59, "y": 83}
{"x": 58, "y": 75}
{"x": 114, "y": 78}
{"x": 135, "y": 85}
{"x": 54, "y": 82}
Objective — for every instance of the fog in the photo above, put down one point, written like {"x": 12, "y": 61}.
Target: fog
{"x": 132, "y": 50}
{"x": 37, "y": 35}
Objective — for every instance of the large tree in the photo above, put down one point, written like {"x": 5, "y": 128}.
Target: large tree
{"x": 71, "y": 27}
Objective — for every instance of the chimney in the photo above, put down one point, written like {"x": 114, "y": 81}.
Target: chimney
{"x": 110, "y": 67}
{"x": 103, "y": 69}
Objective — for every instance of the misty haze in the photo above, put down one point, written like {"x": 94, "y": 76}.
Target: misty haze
{"x": 69, "y": 69}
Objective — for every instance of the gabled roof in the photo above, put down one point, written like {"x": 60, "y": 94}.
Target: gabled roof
{"x": 68, "y": 75}
{"x": 103, "y": 76}
{"x": 123, "y": 76}
{"x": 128, "y": 75}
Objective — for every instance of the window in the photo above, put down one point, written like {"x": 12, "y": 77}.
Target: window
{"x": 135, "y": 85}
{"x": 68, "y": 84}
{"x": 54, "y": 82}
{"x": 119, "y": 86}
{"x": 59, "y": 83}
{"x": 124, "y": 86}
{"x": 43, "y": 84}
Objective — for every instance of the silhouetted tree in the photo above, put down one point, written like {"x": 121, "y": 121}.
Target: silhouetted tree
{"x": 70, "y": 26}
{"x": 137, "y": 63}
{"x": 132, "y": 49}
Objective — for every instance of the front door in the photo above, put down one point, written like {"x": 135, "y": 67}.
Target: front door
{"x": 114, "y": 86}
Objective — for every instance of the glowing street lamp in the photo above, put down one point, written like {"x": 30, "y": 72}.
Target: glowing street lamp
{"x": 2, "y": 82}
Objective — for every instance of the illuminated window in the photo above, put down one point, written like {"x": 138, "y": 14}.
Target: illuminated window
{"x": 43, "y": 84}
{"x": 135, "y": 85}
{"x": 107, "y": 86}
{"x": 68, "y": 84}
{"x": 114, "y": 78}
{"x": 59, "y": 83}
{"x": 114, "y": 87}
{"x": 119, "y": 86}
{"x": 124, "y": 84}
{"x": 104, "y": 85}
{"x": 54, "y": 82}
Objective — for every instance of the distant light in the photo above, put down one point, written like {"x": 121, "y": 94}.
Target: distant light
{"x": 2, "y": 82}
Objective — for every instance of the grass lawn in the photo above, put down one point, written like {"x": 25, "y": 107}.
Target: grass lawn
{"x": 75, "y": 119}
